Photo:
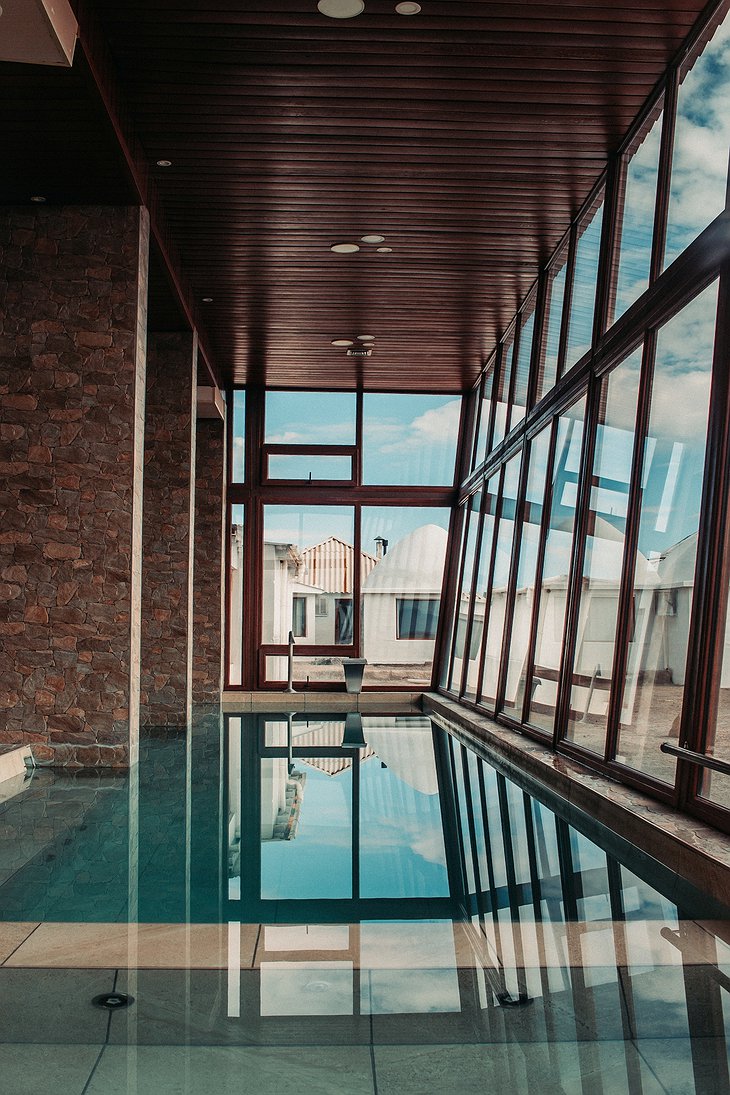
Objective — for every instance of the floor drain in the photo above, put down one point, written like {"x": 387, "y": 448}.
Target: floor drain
{"x": 113, "y": 1001}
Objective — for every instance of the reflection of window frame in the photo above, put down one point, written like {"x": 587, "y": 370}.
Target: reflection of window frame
{"x": 299, "y": 616}
{"x": 430, "y": 622}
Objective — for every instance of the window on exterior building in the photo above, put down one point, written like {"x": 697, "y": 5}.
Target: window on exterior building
{"x": 321, "y": 605}
{"x": 299, "y": 616}
{"x": 416, "y": 618}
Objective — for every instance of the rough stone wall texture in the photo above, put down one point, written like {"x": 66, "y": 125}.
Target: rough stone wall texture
{"x": 166, "y": 556}
{"x": 208, "y": 566}
{"x": 69, "y": 371}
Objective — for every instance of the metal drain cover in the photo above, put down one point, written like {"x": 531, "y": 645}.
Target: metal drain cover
{"x": 112, "y": 1001}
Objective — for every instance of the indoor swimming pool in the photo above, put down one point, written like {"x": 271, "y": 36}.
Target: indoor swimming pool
{"x": 342, "y": 903}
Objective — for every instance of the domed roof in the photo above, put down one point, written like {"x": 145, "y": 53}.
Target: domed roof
{"x": 414, "y": 565}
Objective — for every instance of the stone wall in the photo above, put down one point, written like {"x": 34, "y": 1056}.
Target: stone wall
{"x": 72, "y": 287}
{"x": 208, "y": 565}
{"x": 166, "y": 532}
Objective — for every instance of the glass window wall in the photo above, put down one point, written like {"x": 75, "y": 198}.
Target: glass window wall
{"x": 410, "y": 440}
{"x": 495, "y": 615}
{"x": 637, "y": 216}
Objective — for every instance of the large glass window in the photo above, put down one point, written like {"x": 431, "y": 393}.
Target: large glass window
{"x": 500, "y": 581}
{"x": 310, "y": 418}
{"x": 522, "y": 363}
{"x": 603, "y": 555}
{"x": 501, "y": 396}
{"x": 484, "y": 562}
{"x": 585, "y": 277}
{"x": 463, "y": 599}
{"x": 663, "y": 571}
{"x": 637, "y": 217}
{"x": 485, "y": 408}
{"x": 553, "y": 589}
{"x": 701, "y": 142}
{"x": 410, "y": 440}
{"x": 235, "y": 596}
{"x": 548, "y": 372}
{"x": 525, "y": 590}
{"x": 401, "y": 591}
{"x": 239, "y": 436}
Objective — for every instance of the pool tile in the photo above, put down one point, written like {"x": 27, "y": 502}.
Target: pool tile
{"x": 231, "y": 1070}
{"x": 64, "y": 1069}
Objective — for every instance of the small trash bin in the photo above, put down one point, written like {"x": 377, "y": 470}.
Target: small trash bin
{"x": 354, "y": 669}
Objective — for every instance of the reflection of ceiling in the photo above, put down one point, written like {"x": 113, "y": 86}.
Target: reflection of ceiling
{"x": 467, "y": 135}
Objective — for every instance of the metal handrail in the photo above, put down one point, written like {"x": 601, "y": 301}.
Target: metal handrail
{"x": 692, "y": 757}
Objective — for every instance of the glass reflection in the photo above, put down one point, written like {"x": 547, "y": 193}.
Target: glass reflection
{"x": 463, "y": 598}
{"x": 548, "y": 373}
{"x": 522, "y": 364}
{"x": 485, "y": 408}
{"x": 501, "y": 395}
{"x": 663, "y": 571}
{"x": 486, "y": 546}
{"x": 553, "y": 588}
{"x": 701, "y": 142}
{"x": 585, "y": 277}
{"x": 603, "y": 556}
{"x": 495, "y": 613}
{"x": 637, "y": 217}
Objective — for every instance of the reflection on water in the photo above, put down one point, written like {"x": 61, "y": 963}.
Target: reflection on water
{"x": 350, "y": 884}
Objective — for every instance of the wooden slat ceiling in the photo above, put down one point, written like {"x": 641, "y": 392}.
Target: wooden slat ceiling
{"x": 467, "y": 135}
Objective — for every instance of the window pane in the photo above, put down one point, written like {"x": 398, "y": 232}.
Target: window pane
{"x": 410, "y": 439}
{"x": 672, "y": 475}
{"x": 235, "y": 595}
{"x": 309, "y": 467}
{"x": 447, "y": 669}
{"x": 585, "y": 276}
{"x": 522, "y": 366}
{"x": 556, "y": 567}
{"x": 239, "y": 436}
{"x": 463, "y": 598}
{"x": 486, "y": 406}
{"x": 701, "y": 141}
{"x": 308, "y": 555}
{"x": 310, "y": 418}
{"x": 501, "y": 398}
{"x": 637, "y": 223}
{"x": 500, "y": 580}
{"x": 480, "y": 595}
{"x": 553, "y": 312}
{"x": 402, "y": 591}
{"x": 525, "y": 592}
{"x": 603, "y": 558}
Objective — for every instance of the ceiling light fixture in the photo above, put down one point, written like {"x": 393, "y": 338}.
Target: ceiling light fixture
{"x": 37, "y": 198}
{"x": 384, "y": 250}
{"x": 408, "y": 7}
{"x": 372, "y": 239}
{"x": 164, "y": 163}
{"x": 366, "y": 338}
{"x": 345, "y": 248}
{"x": 341, "y": 9}
{"x": 207, "y": 300}
{"x": 342, "y": 342}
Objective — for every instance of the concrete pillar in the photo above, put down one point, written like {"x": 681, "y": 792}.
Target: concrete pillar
{"x": 73, "y": 301}
{"x": 167, "y": 530}
{"x": 208, "y": 614}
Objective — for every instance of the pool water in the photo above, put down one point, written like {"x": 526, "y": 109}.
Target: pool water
{"x": 343, "y": 904}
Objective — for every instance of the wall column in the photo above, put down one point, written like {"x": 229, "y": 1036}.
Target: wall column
{"x": 73, "y": 301}
{"x": 209, "y": 614}
{"x": 169, "y": 506}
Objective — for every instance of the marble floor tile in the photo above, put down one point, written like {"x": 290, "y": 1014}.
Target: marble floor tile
{"x": 612, "y": 1068}
{"x": 53, "y": 1006}
{"x": 35, "y": 1069}
{"x": 232, "y": 1070}
{"x": 12, "y": 934}
{"x": 148, "y": 946}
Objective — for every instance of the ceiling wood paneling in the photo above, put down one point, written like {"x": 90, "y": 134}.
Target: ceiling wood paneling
{"x": 468, "y": 135}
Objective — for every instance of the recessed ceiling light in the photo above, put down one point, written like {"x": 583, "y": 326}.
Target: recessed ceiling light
{"x": 366, "y": 338}
{"x": 164, "y": 163}
{"x": 37, "y": 198}
{"x": 207, "y": 300}
{"x": 341, "y": 9}
{"x": 408, "y": 7}
{"x": 372, "y": 239}
{"x": 345, "y": 248}
{"x": 385, "y": 250}
{"x": 342, "y": 342}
